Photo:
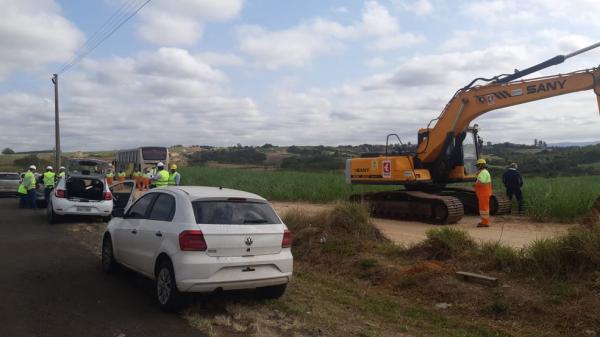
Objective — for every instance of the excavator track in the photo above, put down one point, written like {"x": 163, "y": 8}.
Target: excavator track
{"x": 413, "y": 205}
{"x": 499, "y": 203}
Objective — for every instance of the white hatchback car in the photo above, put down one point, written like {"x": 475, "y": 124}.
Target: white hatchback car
{"x": 200, "y": 239}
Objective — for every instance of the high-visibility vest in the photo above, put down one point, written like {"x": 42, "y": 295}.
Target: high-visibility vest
{"x": 148, "y": 174}
{"x": 173, "y": 178}
{"x": 22, "y": 189}
{"x": 29, "y": 180}
{"x": 137, "y": 174}
{"x": 61, "y": 174}
{"x": 484, "y": 177}
{"x": 121, "y": 175}
{"x": 49, "y": 178}
{"x": 110, "y": 175}
{"x": 163, "y": 178}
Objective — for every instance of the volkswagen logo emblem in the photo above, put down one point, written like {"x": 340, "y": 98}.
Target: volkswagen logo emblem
{"x": 249, "y": 241}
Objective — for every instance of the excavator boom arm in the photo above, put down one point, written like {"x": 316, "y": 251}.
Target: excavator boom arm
{"x": 471, "y": 103}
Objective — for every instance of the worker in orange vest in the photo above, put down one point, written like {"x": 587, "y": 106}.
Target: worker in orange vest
{"x": 110, "y": 175}
{"x": 137, "y": 176}
{"x": 121, "y": 176}
{"x": 146, "y": 179}
{"x": 483, "y": 190}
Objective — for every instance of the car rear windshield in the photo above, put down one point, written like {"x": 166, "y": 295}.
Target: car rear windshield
{"x": 228, "y": 212}
{"x": 154, "y": 153}
{"x": 9, "y": 176}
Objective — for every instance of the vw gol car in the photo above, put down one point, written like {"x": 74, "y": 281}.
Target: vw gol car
{"x": 200, "y": 239}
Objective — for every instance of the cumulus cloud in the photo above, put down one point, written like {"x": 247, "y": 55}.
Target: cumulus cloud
{"x": 175, "y": 23}
{"x": 418, "y": 7}
{"x": 164, "y": 97}
{"x": 33, "y": 34}
{"x": 298, "y": 45}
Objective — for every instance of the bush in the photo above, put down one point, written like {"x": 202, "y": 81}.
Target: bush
{"x": 313, "y": 162}
{"x": 8, "y": 150}
{"x": 446, "y": 242}
{"x": 31, "y": 160}
{"x": 577, "y": 251}
{"x": 244, "y": 156}
{"x": 493, "y": 255}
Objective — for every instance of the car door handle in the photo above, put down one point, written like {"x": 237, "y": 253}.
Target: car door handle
{"x": 159, "y": 234}
{"x": 134, "y": 231}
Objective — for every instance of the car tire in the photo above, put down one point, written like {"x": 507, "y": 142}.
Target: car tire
{"x": 109, "y": 264}
{"x": 167, "y": 295}
{"x": 272, "y": 292}
{"x": 52, "y": 217}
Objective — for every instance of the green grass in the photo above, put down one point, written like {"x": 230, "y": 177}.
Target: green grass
{"x": 280, "y": 185}
{"x": 563, "y": 198}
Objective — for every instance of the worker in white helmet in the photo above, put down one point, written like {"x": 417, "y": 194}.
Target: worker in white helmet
{"x": 161, "y": 178}
{"x": 48, "y": 178}
{"x": 61, "y": 172}
{"x": 29, "y": 182}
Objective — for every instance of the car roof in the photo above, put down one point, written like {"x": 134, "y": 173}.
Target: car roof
{"x": 208, "y": 192}
{"x": 96, "y": 176}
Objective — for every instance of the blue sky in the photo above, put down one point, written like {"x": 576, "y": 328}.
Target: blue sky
{"x": 283, "y": 72}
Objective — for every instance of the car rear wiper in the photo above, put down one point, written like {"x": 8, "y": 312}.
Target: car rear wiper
{"x": 255, "y": 221}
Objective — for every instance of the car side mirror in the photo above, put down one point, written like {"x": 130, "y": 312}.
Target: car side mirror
{"x": 118, "y": 213}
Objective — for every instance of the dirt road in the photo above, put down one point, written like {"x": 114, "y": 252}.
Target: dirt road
{"x": 51, "y": 285}
{"x": 510, "y": 230}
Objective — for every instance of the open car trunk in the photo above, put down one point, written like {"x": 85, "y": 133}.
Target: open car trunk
{"x": 85, "y": 189}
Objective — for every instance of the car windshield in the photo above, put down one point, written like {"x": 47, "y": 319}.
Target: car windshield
{"x": 227, "y": 212}
{"x": 87, "y": 166}
{"x": 9, "y": 176}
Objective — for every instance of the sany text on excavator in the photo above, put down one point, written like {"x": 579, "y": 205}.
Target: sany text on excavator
{"x": 446, "y": 153}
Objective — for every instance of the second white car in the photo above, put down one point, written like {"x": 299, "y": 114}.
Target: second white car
{"x": 200, "y": 239}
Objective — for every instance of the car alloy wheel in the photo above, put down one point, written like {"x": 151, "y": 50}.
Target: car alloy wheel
{"x": 109, "y": 264}
{"x": 164, "y": 285}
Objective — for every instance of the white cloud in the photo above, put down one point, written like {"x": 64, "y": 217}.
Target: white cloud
{"x": 375, "y": 62}
{"x": 33, "y": 33}
{"x": 298, "y": 45}
{"x": 174, "y": 23}
{"x": 221, "y": 59}
{"x": 418, "y": 7}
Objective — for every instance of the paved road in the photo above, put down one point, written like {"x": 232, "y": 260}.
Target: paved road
{"x": 50, "y": 285}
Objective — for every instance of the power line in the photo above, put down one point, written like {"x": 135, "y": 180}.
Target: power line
{"x": 109, "y": 24}
{"x": 120, "y": 23}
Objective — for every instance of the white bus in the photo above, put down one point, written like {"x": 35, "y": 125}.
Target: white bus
{"x": 140, "y": 158}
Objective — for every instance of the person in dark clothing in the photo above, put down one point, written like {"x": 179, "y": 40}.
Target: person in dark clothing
{"x": 513, "y": 182}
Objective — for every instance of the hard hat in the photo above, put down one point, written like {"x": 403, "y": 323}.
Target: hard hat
{"x": 48, "y": 167}
{"x": 160, "y": 164}
{"x": 480, "y": 162}
{"x": 32, "y": 167}
{"x": 110, "y": 165}
{"x": 173, "y": 167}
{"x": 62, "y": 168}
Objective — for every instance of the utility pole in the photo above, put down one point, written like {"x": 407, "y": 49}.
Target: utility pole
{"x": 56, "y": 126}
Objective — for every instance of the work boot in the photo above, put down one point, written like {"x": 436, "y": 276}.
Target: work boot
{"x": 482, "y": 225}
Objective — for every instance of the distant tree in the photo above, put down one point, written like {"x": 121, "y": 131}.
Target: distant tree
{"x": 489, "y": 143}
{"x": 267, "y": 146}
{"x": 8, "y": 150}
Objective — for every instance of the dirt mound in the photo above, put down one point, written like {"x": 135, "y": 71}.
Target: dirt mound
{"x": 429, "y": 268}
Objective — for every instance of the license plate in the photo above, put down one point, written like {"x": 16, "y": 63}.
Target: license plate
{"x": 83, "y": 208}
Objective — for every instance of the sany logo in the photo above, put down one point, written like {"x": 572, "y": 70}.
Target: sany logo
{"x": 387, "y": 169}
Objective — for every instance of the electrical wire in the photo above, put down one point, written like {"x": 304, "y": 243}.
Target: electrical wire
{"x": 122, "y": 16}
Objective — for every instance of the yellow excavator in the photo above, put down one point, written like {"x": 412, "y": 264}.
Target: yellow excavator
{"x": 446, "y": 153}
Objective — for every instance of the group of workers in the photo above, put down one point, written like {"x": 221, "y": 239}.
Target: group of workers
{"x": 30, "y": 181}
{"x": 511, "y": 179}
{"x": 155, "y": 177}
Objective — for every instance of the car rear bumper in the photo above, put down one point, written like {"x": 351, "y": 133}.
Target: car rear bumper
{"x": 197, "y": 272}
{"x": 67, "y": 207}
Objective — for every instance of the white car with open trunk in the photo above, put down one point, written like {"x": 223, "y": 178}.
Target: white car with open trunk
{"x": 200, "y": 239}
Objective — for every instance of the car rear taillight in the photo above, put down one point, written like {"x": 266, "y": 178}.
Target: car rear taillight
{"x": 60, "y": 193}
{"x": 287, "y": 239}
{"x": 107, "y": 196}
{"x": 192, "y": 240}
